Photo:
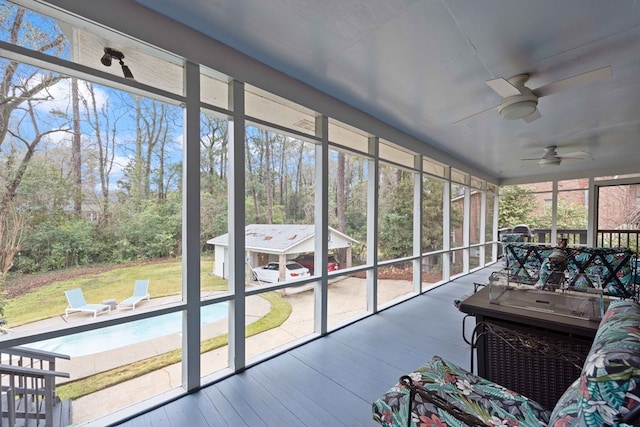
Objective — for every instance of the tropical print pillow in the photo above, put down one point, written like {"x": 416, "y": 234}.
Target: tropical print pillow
{"x": 491, "y": 403}
{"x": 524, "y": 260}
{"x": 611, "y": 265}
{"x": 608, "y": 386}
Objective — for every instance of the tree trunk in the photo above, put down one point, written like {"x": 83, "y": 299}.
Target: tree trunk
{"x": 76, "y": 149}
{"x": 251, "y": 178}
{"x": 223, "y": 156}
{"x": 106, "y": 149}
{"x": 11, "y": 228}
{"x": 162, "y": 196}
{"x": 282, "y": 172}
{"x": 341, "y": 205}
{"x": 137, "y": 175}
{"x": 268, "y": 185}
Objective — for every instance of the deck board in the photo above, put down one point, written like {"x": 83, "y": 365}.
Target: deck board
{"x": 325, "y": 391}
{"x": 61, "y": 415}
{"x": 225, "y": 408}
{"x": 332, "y": 380}
{"x": 297, "y": 409}
{"x": 159, "y": 417}
{"x": 291, "y": 394}
{"x": 208, "y": 409}
{"x": 265, "y": 409}
{"x": 186, "y": 409}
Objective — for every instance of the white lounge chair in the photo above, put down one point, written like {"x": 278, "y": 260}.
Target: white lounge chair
{"x": 77, "y": 303}
{"x": 140, "y": 292}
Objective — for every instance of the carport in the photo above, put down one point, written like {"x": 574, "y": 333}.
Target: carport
{"x": 276, "y": 243}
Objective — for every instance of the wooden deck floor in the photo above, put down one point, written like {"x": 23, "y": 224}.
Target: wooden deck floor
{"x": 331, "y": 381}
{"x": 61, "y": 414}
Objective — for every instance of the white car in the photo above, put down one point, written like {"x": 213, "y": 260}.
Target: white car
{"x": 271, "y": 272}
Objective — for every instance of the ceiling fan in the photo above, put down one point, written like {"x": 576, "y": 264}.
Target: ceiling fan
{"x": 550, "y": 156}
{"x": 521, "y": 102}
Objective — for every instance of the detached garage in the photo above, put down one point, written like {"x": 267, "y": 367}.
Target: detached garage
{"x": 276, "y": 243}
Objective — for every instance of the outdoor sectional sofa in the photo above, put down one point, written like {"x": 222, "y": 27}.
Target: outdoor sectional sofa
{"x": 607, "y": 391}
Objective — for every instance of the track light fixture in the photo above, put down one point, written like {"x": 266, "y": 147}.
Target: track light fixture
{"x": 109, "y": 55}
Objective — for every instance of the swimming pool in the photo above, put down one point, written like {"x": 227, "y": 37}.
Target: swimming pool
{"x": 111, "y": 337}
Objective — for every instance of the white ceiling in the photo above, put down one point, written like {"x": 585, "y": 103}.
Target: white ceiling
{"x": 421, "y": 66}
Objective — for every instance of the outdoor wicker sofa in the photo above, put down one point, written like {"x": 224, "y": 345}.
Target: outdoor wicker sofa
{"x": 607, "y": 392}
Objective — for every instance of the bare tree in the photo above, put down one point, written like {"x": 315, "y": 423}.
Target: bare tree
{"x": 20, "y": 89}
{"x": 15, "y": 89}
{"x": 152, "y": 133}
{"x": 214, "y": 148}
{"x": 104, "y": 132}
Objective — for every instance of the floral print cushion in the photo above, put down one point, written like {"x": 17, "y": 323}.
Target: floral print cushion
{"x": 489, "y": 402}
{"x": 609, "y": 383}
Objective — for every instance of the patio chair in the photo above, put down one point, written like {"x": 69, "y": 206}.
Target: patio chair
{"x": 140, "y": 292}
{"x": 77, "y": 303}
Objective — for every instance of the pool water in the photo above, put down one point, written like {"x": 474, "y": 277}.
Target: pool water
{"x": 111, "y": 337}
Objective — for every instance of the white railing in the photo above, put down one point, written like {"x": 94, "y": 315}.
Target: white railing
{"x": 27, "y": 382}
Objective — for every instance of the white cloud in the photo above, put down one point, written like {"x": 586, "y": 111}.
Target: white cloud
{"x": 60, "y": 94}
{"x": 179, "y": 140}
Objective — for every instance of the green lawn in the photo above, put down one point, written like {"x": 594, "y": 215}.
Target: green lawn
{"x": 165, "y": 279}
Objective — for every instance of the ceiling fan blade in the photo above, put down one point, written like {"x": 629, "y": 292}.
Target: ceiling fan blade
{"x": 495, "y": 107}
{"x": 527, "y": 160}
{"x": 533, "y": 116}
{"x": 571, "y": 82}
{"x": 503, "y": 87}
{"x": 574, "y": 154}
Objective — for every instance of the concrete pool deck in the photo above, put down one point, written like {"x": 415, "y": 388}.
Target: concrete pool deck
{"x": 347, "y": 301}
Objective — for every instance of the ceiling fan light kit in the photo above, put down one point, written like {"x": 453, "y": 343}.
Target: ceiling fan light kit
{"x": 552, "y": 161}
{"x": 518, "y": 107}
{"x": 521, "y": 102}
